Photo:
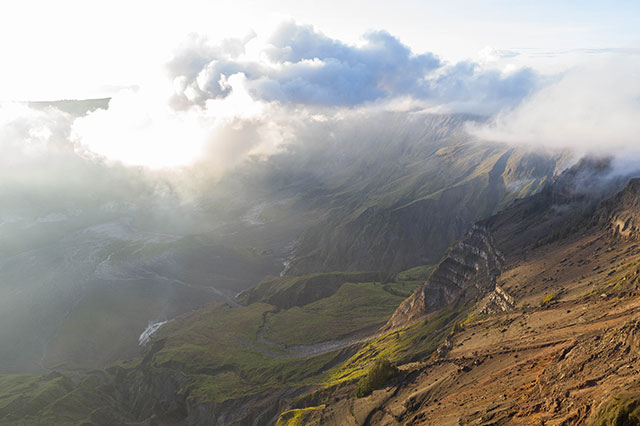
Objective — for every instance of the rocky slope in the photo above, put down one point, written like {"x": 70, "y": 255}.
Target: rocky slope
{"x": 554, "y": 343}
{"x": 621, "y": 214}
{"x": 469, "y": 271}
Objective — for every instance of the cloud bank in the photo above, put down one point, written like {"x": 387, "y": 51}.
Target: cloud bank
{"x": 591, "y": 109}
{"x": 221, "y": 103}
{"x": 227, "y": 101}
{"x": 298, "y": 65}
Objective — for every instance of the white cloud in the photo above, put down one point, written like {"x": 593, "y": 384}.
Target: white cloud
{"x": 591, "y": 109}
{"x": 141, "y": 128}
{"x": 225, "y": 101}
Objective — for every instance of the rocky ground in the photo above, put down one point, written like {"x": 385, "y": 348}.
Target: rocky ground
{"x": 565, "y": 353}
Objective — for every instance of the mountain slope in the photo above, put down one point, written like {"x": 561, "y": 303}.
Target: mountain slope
{"x": 399, "y": 198}
{"x": 382, "y": 194}
{"x": 565, "y": 352}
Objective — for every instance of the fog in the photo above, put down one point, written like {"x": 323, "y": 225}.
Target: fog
{"x": 195, "y": 186}
{"x": 591, "y": 109}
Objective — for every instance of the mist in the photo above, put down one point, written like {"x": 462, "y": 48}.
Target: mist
{"x": 200, "y": 182}
{"x": 592, "y": 109}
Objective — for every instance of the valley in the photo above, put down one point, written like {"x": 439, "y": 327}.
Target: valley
{"x": 545, "y": 276}
{"x": 336, "y": 213}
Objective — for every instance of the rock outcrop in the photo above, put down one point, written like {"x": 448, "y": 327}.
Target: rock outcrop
{"x": 620, "y": 214}
{"x": 470, "y": 269}
{"x": 497, "y": 301}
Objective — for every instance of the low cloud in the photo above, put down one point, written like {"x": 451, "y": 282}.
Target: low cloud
{"x": 592, "y": 109}
{"x": 43, "y": 170}
{"x": 227, "y": 101}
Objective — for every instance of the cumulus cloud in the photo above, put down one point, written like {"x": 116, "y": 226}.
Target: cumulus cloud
{"x": 591, "y": 109}
{"x": 227, "y": 101}
{"x": 299, "y": 65}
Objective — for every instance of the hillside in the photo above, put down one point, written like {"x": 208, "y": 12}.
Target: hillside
{"x": 380, "y": 196}
{"x": 228, "y": 364}
{"x": 538, "y": 328}
{"x": 372, "y": 260}
{"x": 564, "y": 352}
{"x": 402, "y": 198}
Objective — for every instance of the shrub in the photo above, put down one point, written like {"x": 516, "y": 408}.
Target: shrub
{"x": 548, "y": 299}
{"x": 376, "y": 377}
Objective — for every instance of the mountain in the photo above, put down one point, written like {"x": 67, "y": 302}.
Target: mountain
{"x": 530, "y": 318}
{"x": 111, "y": 251}
{"x": 401, "y": 199}
{"x": 559, "y": 346}
{"x": 75, "y": 107}
{"x": 415, "y": 277}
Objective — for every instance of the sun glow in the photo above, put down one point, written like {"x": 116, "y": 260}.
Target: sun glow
{"x": 141, "y": 129}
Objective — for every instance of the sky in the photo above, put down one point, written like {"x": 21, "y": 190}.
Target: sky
{"x": 83, "y": 49}
{"x": 219, "y": 81}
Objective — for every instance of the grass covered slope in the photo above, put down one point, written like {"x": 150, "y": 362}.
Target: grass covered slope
{"x": 56, "y": 399}
{"x": 354, "y": 307}
{"x": 288, "y": 291}
{"x": 216, "y": 346}
{"x": 233, "y": 352}
{"x": 215, "y": 357}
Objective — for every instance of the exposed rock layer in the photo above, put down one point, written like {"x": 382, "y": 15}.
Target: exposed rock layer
{"x": 470, "y": 269}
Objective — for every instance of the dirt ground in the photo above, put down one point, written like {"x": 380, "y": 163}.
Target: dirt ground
{"x": 541, "y": 364}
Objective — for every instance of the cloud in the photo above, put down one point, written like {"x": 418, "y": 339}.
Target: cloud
{"x": 142, "y": 129}
{"x": 591, "y": 109}
{"x": 493, "y": 54}
{"x": 298, "y": 65}
{"x": 42, "y": 169}
{"x": 227, "y": 101}
{"x": 466, "y": 87}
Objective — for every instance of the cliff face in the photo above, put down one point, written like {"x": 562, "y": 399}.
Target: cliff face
{"x": 470, "y": 269}
{"x": 620, "y": 214}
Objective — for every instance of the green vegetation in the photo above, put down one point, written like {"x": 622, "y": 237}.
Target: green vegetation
{"x": 354, "y": 307}
{"x": 416, "y": 341}
{"x": 620, "y": 410}
{"x": 286, "y": 292}
{"x": 419, "y": 273}
{"x": 376, "y": 378}
{"x": 299, "y": 416}
{"x": 217, "y": 348}
{"x": 52, "y": 399}
{"x": 549, "y": 299}
{"x": 472, "y": 318}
